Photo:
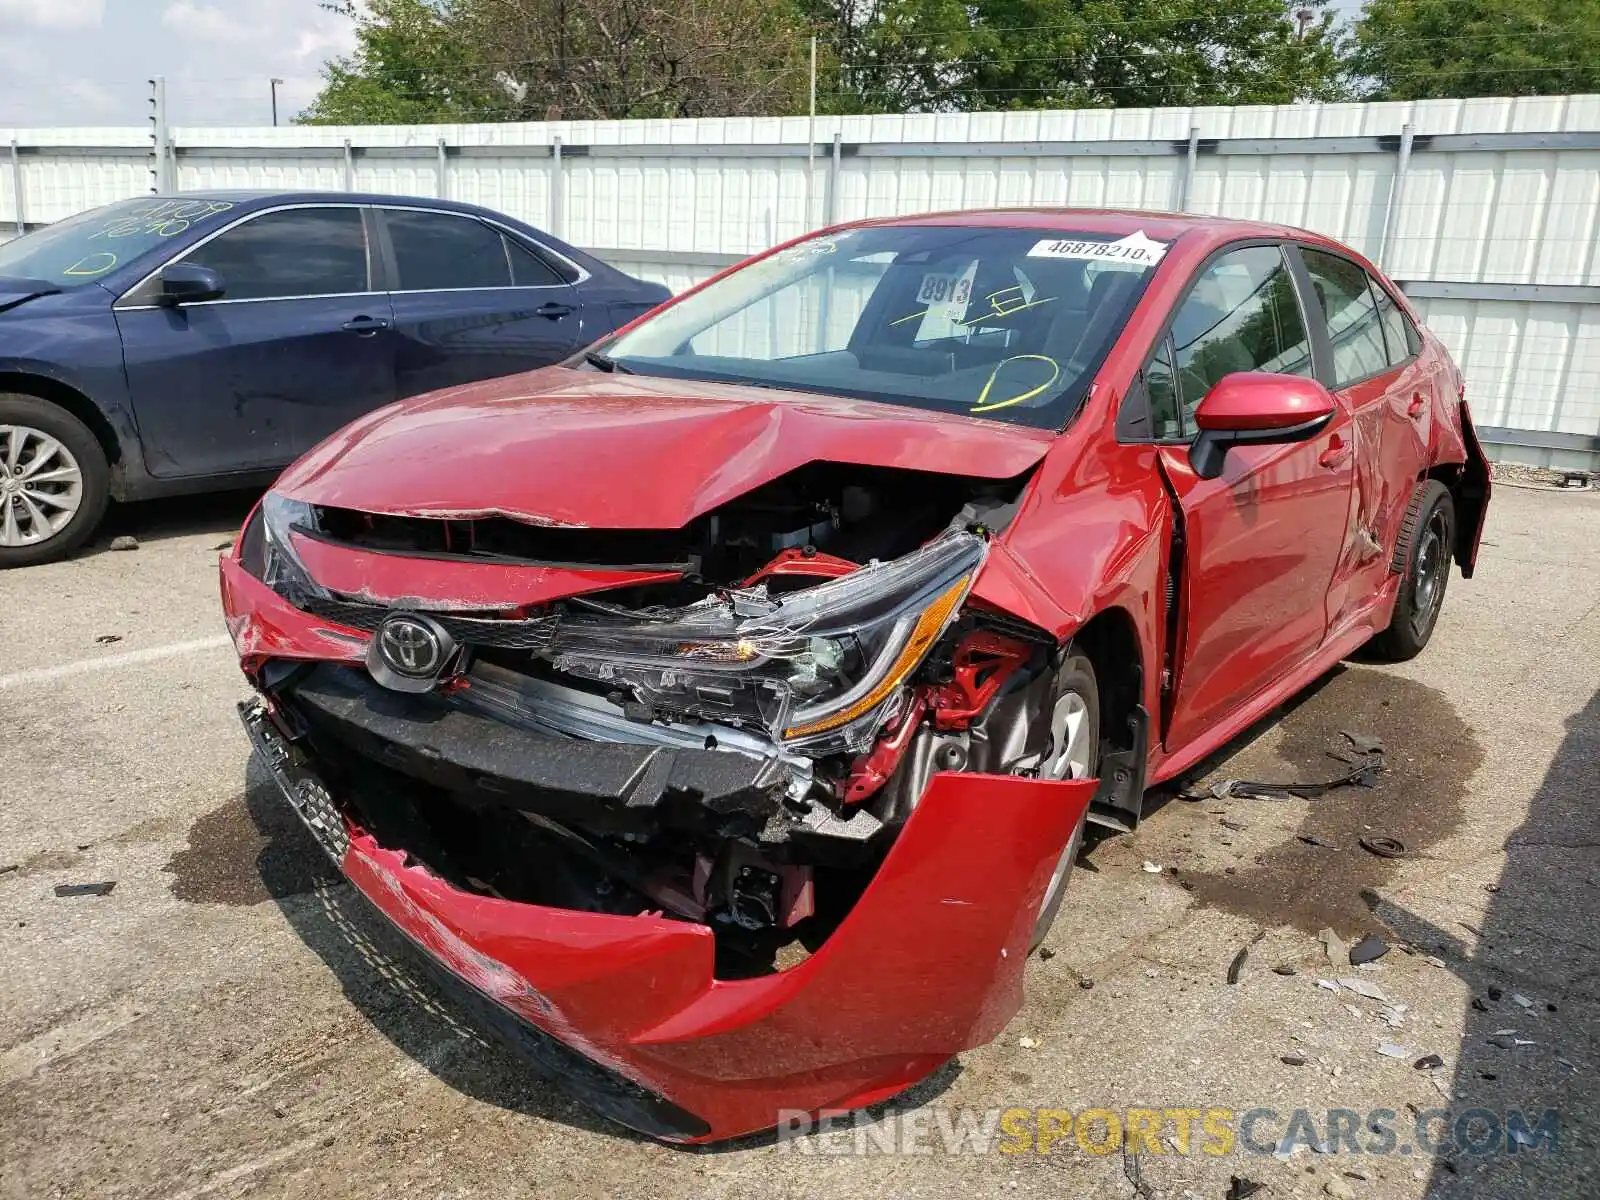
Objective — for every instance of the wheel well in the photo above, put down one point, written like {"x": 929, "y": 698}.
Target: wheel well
{"x": 1467, "y": 484}
{"x": 1111, "y": 643}
{"x": 74, "y": 401}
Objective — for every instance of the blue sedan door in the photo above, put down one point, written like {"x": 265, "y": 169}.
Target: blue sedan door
{"x": 300, "y": 343}
{"x": 472, "y": 301}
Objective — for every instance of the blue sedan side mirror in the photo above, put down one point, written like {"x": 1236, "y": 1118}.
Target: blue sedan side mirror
{"x": 188, "y": 283}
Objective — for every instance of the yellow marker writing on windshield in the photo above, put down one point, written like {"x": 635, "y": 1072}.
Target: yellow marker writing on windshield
{"x": 95, "y": 264}
{"x": 984, "y": 404}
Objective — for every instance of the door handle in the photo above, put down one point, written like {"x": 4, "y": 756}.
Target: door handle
{"x": 1418, "y": 405}
{"x": 1337, "y": 454}
{"x": 553, "y": 310}
{"x": 366, "y": 326}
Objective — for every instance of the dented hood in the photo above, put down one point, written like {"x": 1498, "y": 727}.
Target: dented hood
{"x": 579, "y": 448}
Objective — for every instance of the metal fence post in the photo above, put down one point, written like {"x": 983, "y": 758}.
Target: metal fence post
{"x": 831, "y": 215}
{"x": 349, "y": 166}
{"x": 16, "y": 186}
{"x": 444, "y": 170}
{"x": 558, "y": 204}
{"x": 160, "y": 138}
{"x": 1186, "y": 192}
{"x": 1397, "y": 191}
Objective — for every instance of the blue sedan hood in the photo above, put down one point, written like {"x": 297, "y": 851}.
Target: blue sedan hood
{"x": 19, "y": 291}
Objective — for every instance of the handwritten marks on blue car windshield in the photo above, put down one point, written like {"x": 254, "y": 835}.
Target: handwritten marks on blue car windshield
{"x": 156, "y": 219}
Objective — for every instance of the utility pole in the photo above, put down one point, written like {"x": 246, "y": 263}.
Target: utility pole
{"x": 1303, "y": 17}
{"x": 276, "y": 84}
{"x": 811, "y": 139}
{"x": 160, "y": 136}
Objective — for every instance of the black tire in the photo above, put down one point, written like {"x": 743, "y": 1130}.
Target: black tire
{"x": 1427, "y": 540}
{"x": 30, "y": 412}
{"x": 1076, "y": 677}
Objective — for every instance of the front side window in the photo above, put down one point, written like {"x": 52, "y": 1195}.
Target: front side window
{"x": 1399, "y": 338}
{"x": 1355, "y": 329}
{"x": 1242, "y": 315}
{"x": 292, "y": 253}
{"x": 89, "y": 246}
{"x": 1006, "y": 324}
{"x": 440, "y": 252}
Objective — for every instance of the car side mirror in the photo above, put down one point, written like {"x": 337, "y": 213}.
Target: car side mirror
{"x": 1254, "y": 408}
{"x": 188, "y": 283}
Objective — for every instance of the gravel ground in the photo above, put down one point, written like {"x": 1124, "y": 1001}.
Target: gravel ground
{"x": 227, "y": 1022}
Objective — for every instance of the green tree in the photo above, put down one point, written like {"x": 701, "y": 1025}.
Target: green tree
{"x": 1423, "y": 49}
{"x": 944, "y": 55}
{"x": 411, "y": 66}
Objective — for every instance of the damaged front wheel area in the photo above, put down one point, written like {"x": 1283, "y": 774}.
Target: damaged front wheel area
{"x": 1074, "y": 754}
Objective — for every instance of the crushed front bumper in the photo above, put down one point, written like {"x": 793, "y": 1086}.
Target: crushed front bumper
{"x": 626, "y": 1011}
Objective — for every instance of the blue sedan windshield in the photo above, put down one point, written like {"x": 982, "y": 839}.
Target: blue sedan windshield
{"x": 87, "y": 247}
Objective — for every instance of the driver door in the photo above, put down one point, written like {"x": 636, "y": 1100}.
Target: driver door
{"x": 1261, "y": 541}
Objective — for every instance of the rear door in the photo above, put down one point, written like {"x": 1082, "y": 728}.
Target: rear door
{"x": 1371, "y": 365}
{"x": 1261, "y": 539}
{"x": 471, "y": 301}
{"x": 297, "y": 346}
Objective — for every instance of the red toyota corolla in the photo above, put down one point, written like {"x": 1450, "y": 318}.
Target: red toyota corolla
{"x": 720, "y": 711}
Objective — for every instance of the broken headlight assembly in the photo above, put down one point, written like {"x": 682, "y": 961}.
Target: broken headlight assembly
{"x": 821, "y": 668}
{"x": 266, "y": 551}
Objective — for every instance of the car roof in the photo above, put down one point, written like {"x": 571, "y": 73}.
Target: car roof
{"x": 1113, "y": 222}
{"x": 258, "y": 196}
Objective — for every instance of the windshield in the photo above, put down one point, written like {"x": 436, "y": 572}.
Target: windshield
{"x": 1009, "y": 324}
{"x": 89, "y": 246}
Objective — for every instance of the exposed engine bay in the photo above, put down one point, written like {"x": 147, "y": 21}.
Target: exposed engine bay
{"x": 737, "y": 745}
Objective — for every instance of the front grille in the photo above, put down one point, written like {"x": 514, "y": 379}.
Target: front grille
{"x": 527, "y": 634}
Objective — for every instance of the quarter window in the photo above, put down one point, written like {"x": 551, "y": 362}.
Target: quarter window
{"x": 1355, "y": 327}
{"x": 295, "y": 252}
{"x": 438, "y": 252}
{"x": 1398, "y": 336}
{"x": 1242, "y": 315}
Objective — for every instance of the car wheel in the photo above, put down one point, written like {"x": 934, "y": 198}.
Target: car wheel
{"x": 54, "y": 481}
{"x": 1074, "y": 753}
{"x": 1428, "y": 536}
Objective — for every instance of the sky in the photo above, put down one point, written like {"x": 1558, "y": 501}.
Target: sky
{"x": 88, "y": 62}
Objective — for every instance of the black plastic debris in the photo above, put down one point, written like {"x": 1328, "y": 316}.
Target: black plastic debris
{"x": 1479, "y": 1004}
{"x": 1236, "y": 826}
{"x": 1363, "y": 772}
{"x": 85, "y": 889}
{"x": 1237, "y": 965}
{"x": 1312, "y": 839}
{"x": 1240, "y": 1188}
{"x": 1428, "y": 1062}
{"x": 1292, "y": 1060}
{"x": 1046, "y": 954}
{"x": 1362, "y": 743}
{"x": 1134, "y": 1175}
{"x": 1368, "y": 949}
{"x": 1284, "y": 969}
{"x": 1494, "y": 992}
{"x": 107, "y": 639}
{"x": 1384, "y": 847}
{"x": 7, "y": 868}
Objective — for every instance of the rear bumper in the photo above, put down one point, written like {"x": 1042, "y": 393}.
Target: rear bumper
{"x": 627, "y": 1010}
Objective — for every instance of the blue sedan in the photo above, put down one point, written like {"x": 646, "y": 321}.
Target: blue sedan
{"x": 193, "y": 343}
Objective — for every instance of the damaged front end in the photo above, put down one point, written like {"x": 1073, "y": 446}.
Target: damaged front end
{"x": 782, "y": 776}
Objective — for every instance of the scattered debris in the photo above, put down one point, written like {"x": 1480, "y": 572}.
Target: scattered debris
{"x": 1550, "y": 1008}
{"x": 1368, "y": 949}
{"x": 1236, "y": 826}
{"x": 227, "y": 545}
{"x": 7, "y": 868}
{"x": 1339, "y": 1189}
{"x": 1240, "y": 1188}
{"x": 1394, "y": 1015}
{"x": 1130, "y": 1169}
{"x": 1362, "y": 743}
{"x": 1391, "y": 1050}
{"x": 1046, "y": 954}
{"x": 1519, "y": 998}
{"x": 1086, "y": 984}
{"x": 1384, "y": 847}
{"x": 1494, "y": 993}
{"x": 85, "y": 889}
{"x": 1027, "y": 1043}
{"x": 124, "y": 542}
{"x": 1433, "y": 960}
{"x": 1284, "y": 969}
{"x": 1478, "y": 1003}
{"x": 1354, "y": 1011}
{"x": 1292, "y": 1060}
{"x": 1151, "y": 868}
{"x": 1504, "y": 1040}
{"x": 1491, "y": 888}
{"x": 1333, "y": 946}
{"x": 1235, "y": 967}
{"x": 107, "y": 639}
{"x": 1362, "y": 774}
{"x": 1312, "y": 839}
{"x": 1362, "y": 988}
{"x": 1329, "y": 984}
{"x": 1428, "y": 1062}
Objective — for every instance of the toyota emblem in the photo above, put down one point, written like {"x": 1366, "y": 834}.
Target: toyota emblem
{"x": 409, "y": 652}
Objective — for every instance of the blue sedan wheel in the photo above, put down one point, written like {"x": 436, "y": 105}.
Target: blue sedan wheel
{"x": 53, "y": 480}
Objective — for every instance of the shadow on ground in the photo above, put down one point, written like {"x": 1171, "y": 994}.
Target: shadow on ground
{"x": 176, "y": 516}
{"x": 255, "y": 849}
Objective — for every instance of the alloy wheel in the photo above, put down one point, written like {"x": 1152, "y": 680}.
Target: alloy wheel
{"x": 41, "y": 486}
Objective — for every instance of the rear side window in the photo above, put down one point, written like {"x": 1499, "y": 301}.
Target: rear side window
{"x": 298, "y": 252}
{"x": 528, "y": 269}
{"x": 1399, "y": 338}
{"x": 1242, "y": 315}
{"x": 438, "y": 252}
{"x": 1355, "y": 328}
